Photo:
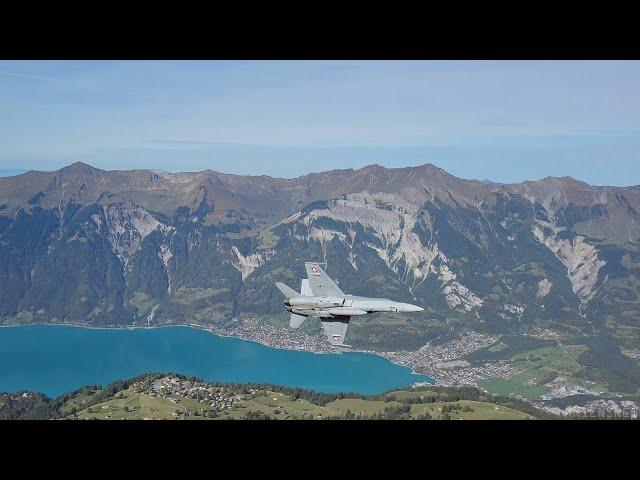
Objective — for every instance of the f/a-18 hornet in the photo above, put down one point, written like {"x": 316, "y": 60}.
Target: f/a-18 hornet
{"x": 320, "y": 297}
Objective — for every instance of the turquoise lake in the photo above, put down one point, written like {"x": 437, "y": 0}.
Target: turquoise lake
{"x": 58, "y": 359}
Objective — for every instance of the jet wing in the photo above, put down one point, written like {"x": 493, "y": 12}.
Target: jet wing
{"x": 336, "y": 330}
{"x": 320, "y": 283}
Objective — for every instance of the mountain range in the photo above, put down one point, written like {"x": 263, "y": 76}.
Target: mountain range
{"x": 146, "y": 247}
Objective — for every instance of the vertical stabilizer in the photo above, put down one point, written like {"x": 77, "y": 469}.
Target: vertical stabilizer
{"x": 320, "y": 283}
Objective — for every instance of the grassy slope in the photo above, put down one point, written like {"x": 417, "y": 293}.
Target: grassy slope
{"x": 538, "y": 367}
{"x": 130, "y": 405}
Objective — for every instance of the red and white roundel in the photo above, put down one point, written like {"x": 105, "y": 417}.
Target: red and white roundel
{"x": 314, "y": 269}
{"x": 336, "y": 338}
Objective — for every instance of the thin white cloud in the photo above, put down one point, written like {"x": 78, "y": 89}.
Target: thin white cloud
{"x": 25, "y": 76}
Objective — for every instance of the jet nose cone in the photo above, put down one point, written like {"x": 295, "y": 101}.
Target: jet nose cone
{"x": 407, "y": 307}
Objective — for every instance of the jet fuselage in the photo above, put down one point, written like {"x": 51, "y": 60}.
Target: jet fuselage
{"x": 348, "y": 305}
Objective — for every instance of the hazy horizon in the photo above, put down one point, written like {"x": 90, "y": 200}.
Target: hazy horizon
{"x": 9, "y": 172}
{"x": 507, "y": 121}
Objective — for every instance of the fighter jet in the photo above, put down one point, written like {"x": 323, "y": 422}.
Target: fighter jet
{"x": 320, "y": 297}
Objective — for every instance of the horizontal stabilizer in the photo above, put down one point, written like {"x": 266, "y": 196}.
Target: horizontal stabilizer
{"x": 336, "y": 330}
{"x": 287, "y": 291}
{"x": 296, "y": 320}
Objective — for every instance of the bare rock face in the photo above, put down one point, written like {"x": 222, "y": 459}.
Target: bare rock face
{"x": 599, "y": 212}
{"x": 246, "y": 265}
{"x": 127, "y": 226}
{"x": 388, "y": 221}
{"x": 459, "y": 296}
{"x": 544, "y": 287}
{"x": 579, "y": 257}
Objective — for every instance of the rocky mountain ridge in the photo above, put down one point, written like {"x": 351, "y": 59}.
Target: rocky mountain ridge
{"x": 84, "y": 245}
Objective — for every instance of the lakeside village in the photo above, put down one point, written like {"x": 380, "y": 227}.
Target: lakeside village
{"x": 444, "y": 363}
{"x": 441, "y": 362}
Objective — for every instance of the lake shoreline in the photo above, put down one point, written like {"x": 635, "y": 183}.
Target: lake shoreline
{"x": 221, "y": 334}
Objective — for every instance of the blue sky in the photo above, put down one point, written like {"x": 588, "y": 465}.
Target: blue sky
{"x": 505, "y": 121}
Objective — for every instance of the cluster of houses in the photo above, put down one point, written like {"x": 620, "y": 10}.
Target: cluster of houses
{"x": 601, "y": 408}
{"x": 215, "y": 397}
{"x": 275, "y": 337}
{"x": 444, "y": 362}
